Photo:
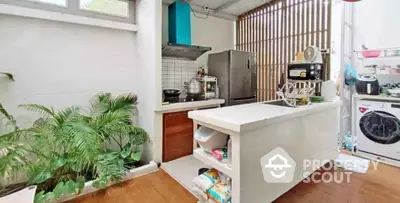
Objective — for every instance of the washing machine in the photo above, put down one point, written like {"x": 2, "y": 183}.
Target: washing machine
{"x": 378, "y": 130}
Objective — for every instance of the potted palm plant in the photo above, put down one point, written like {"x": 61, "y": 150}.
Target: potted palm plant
{"x": 67, "y": 152}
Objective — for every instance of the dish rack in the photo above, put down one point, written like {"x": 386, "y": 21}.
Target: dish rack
{"x": 293, "y": 91}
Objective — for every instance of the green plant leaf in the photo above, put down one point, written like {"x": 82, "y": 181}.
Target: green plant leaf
{"x": 38, "y": 108}
{"x": 126, "y": 151}
{"x": 48, "y": 197}
{"x": 71, "y": 187}
{"x": 60, "y": 190}
{"x": 39, "y": 197}
{"x": 9, "y": 75}
{"x": 41, "y": 177}
{"x": 80, "y": 182}
{"x": 136, "y": 156}
{"x": 57, "y": 163}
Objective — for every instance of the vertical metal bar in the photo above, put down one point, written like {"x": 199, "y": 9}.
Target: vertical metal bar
{"x": 328, "y": 32}
{"x": 318, "y": 23}
{"x": 263, "y": 27}
{"x": 298, "y": 26}
{"x": 295, "y": 19}
{"x": 313, "y": 22}
{"x": 269, "y": 52}
{"x": 281, "y": 38}
{"x": 248, "y": 33}
{"x": 238, "y": 33}
{"x": 276, "y": 51}
{"x": 323, "y": 26}
{"x": 285, "y": 36}
{"x": 258, "y": 54}
{"x": 308, "y": 42}
{"x": 290, "y": 39}
{"x": 303, "y": 24}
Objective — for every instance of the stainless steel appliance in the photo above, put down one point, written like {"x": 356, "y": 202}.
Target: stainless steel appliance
{"x": 209, "y": 87}
{"x": 193, "y": 87}
{"x": 305, "y": 71}
{"x": 237, "y": 76}
{"x": 367, "y": 84}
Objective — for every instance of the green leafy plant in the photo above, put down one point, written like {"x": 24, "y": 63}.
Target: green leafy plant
{"x": 9, "y": 75}
{"x": 65, "y": 148}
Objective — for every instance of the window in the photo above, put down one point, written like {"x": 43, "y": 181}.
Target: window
{"x": 112, "y": 7}
{"x": 114, "y": 10}
{"x": 55, "y": 2}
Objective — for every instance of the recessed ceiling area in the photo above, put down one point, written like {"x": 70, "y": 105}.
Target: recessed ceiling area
{"x": 227, "y": 9}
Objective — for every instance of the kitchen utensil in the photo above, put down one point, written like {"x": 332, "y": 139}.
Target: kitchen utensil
{"x": 394, "y": 92}
{"x": 328, "y": 90}
{"x": 371, "y": 53}
{"x": 395, "y": 70}
{"x": 391, "y": 52}
{"x": 171, "y": 92}
{"x": 385, "y": 88}
{"x": 367, "y": 84}
{"x": 193, "y": 87}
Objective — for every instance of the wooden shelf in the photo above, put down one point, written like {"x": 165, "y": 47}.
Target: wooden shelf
{"x": 209, "y": 160}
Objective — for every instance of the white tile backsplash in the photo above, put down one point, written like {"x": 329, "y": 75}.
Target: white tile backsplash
{"x": 177, "y": 71}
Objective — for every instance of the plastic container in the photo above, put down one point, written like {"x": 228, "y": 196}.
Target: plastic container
{"x": 371, "y": 53}
{"x": 210, "y": 139}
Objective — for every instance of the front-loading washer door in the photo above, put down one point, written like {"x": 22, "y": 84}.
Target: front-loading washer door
{"x": 380, "y": 127}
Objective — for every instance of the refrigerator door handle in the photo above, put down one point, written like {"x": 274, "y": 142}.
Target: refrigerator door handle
{"x": 248, "y": 63}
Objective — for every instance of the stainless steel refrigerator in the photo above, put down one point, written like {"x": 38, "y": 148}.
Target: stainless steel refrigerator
{"x": 237, "y": 76}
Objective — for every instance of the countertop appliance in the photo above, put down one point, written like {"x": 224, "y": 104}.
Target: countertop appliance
{"x": 378, "y": 130}
{"x": 237, "y": 76}
{"x": 209, "y": 87}
{"x": 367, "y": 84}
{"x": 179, "y": 33}
{"x": 305, "y": 71}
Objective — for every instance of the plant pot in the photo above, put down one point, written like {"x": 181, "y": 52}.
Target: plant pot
{"x": 26, "y": 195}
{"x": 133, "y": 173}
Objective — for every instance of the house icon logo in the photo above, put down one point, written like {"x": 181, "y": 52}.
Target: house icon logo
{"x": 278, "y": 167}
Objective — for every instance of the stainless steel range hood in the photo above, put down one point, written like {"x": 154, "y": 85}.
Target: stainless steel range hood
{"x": 189, "y": 52}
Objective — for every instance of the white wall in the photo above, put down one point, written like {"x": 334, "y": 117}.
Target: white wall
{"x": 148, "y": 53}
{"x": 376, "y": 26}
{"x": 217, "y": 33}
{"x": 62, "y": 64}
{"x": 376, "y": 23}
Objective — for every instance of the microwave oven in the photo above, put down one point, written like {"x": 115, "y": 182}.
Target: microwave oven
{"x": 305, "y": 71}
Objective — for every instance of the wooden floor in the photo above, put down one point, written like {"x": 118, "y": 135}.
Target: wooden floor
{"x": 381, "y": 186}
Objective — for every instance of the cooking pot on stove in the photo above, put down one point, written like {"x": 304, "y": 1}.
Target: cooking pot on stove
{"x": 193, "y": 87}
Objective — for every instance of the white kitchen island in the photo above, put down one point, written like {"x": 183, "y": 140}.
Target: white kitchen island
{"x": 305, "y": 133}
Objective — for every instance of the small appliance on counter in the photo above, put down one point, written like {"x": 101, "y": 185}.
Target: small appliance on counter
{"x": 209, "y": 87}
{"x": 309, "y": 68}
{"x": 367, "y": 84}
{"x": 303, "y": 80}
{"x": 305, "y": 71}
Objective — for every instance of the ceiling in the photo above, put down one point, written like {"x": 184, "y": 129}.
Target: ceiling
{"x": 227, "y": 9}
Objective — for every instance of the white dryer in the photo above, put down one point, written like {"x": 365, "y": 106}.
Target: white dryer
{"x": 378, "y": 130}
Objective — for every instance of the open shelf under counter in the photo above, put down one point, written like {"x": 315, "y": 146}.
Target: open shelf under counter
{"x": 209, "y": 160}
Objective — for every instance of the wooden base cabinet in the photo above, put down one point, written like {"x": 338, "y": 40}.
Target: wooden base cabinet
{"x": 177, "y": 135}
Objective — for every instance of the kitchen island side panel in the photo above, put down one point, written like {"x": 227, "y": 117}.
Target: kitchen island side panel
{"x": 310, "y": 137}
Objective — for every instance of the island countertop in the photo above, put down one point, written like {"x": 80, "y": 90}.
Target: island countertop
{"x": 252, "y": 116}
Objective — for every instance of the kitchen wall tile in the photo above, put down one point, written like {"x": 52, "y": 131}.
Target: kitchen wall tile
{"x": 175, "y": 72}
